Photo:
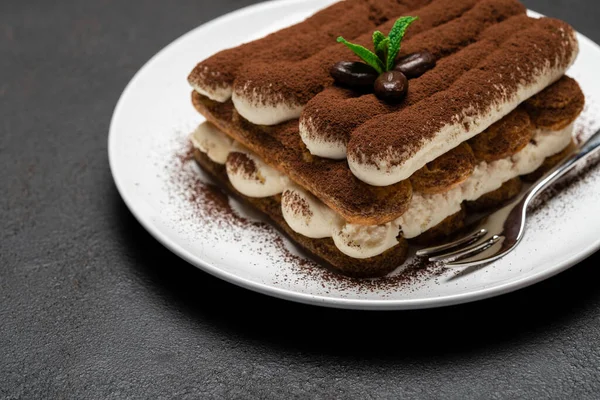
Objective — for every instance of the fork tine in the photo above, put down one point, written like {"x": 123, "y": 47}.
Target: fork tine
{"x": 485, "y": 257}
{"x": 473, "y": 237}
{"x": 468, "y": 251}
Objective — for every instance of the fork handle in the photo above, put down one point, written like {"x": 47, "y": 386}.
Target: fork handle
{"x": 583, "y": 152}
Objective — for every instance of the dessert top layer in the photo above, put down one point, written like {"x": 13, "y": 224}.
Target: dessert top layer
{"x": 330, "y": 118}
{"x": 215, "y": 76}
{"x": 264, "y": 88}
{"x": 391, "y": 147}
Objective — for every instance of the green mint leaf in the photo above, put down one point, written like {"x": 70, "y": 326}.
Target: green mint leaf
{"x": 382, "y": 49}
{"x": 378, "y": 37}
{"x": 396, "y": 36}
{"x": 365, "y": 54}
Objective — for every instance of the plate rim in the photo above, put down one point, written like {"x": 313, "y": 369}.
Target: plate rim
{"x": 286, "y": 294}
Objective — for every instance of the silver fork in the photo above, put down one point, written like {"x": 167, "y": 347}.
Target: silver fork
{"x": 497, "y": 234}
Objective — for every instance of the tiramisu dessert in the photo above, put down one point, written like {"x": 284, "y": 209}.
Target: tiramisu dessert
{"x": 378, "y": 122}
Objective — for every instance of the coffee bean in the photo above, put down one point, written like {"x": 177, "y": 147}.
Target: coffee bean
{"x": 353, "y": 74}
{"x": 391, "y": 86}
{"x": 415, "y": 65}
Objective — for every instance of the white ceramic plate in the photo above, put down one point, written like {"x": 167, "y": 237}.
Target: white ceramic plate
{"x": 151, "y": 123}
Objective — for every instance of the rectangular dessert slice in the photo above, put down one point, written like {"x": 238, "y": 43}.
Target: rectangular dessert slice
{"x": 356, "y": 176}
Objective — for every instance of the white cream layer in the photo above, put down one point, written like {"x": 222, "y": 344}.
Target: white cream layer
{"x": 210, "y": 140}
{"x": 220, "y": 93}
{"x": 317, "y": 145}
{"x": 308, "y": 216}
{"x": 264, "y": 182}
{"x": 264, "y": 111}
{"x": 427, "y": 211}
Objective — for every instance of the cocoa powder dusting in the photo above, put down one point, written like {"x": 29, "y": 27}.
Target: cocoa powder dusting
{"x": 208, "y": 200}
{"x": 348, "y": 18}
{"x": 241, "y": 164}
{"x": 494, "y": 81}
{"x": 335, "y": 113}
{"x": 441, "y": 29}
{"x": 297, "y": 204}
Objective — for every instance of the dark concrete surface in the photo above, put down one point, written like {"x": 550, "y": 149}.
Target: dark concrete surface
{"x": 92, "y": 307}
